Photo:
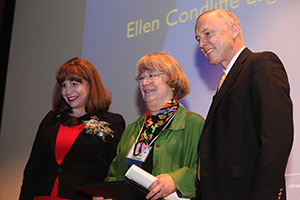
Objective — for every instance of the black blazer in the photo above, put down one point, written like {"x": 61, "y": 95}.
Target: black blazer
{"x": 88, "y": 159}
{"x": 248, "y": 133}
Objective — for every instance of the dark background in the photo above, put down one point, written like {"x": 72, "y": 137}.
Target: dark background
{"x": 6, "y": 20}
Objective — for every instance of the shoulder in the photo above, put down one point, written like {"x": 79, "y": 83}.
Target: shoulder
{"x": 189, "y": 114}
{"x": 49, "y": 118}
{"x": 261, "y": 63}
{"x": 264, "y": 56}
{"x": 115, "y": 120}
{"x": 110, "y": 117}
{"x": 267, "y": 64}
{"x": 186, "y": 119}
{"x": 137, "y": 123}
{"x": 189, "y": 122}
{"x": 194, "y": 120}
{"x": 132, "y": 127}
{"x": 194, "y": 116}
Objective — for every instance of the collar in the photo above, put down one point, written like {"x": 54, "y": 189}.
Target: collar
{"x": 226, "y": 71}
{"x": 178, "y": 122}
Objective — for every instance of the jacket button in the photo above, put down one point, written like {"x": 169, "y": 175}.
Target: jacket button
{"x": 157, "y": 145}
{"x": 59, "y": 170}
{"x": 156, "y": 162}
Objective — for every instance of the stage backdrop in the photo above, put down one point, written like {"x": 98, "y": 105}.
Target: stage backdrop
{"x": 114, "y": 36}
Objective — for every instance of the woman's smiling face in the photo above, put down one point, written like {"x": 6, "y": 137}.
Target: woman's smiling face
{"x": 75, "y": 94}
{"x": 154, "y": 87}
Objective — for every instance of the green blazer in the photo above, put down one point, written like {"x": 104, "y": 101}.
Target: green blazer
{"x": 175, "y": 150}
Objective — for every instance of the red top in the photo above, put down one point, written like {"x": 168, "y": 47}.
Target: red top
{"x": 65, "y": 139}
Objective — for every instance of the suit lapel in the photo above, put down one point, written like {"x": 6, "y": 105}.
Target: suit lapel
{"x": 52, "y": 137}
{"x": 230, "y": 79}
{"x": 82, "y": 135}
{"x": 78, "y": 140}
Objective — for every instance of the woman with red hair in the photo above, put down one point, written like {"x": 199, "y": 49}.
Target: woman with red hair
{"x": 77, "y": 139}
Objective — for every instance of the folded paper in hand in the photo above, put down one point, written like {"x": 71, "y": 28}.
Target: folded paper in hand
{"x": 145, "y": 179}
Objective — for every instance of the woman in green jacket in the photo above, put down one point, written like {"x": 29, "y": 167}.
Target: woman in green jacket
{"x": 167, "y": 133}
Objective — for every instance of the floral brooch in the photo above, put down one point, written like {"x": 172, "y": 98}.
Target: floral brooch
{"x": 98, "y": 128}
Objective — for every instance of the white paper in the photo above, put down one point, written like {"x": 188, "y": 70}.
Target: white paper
{"x": 145, "y": 179}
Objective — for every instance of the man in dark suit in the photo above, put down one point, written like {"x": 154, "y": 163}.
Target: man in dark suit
{"x": 248, "y": 133}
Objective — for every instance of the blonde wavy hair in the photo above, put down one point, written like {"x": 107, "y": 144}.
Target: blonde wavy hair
{"x": 168, "y": 65}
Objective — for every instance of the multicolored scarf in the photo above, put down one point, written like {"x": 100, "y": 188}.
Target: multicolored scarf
{"x": 155, "y": 124}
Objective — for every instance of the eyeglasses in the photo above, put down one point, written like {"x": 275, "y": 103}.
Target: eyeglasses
{"x": 150, "y": 77}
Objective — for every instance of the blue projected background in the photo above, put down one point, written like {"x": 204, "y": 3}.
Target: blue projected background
{"x": 118, "y": 34}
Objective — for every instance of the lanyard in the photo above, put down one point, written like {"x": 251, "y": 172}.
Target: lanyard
{"x": 157, "y": 134}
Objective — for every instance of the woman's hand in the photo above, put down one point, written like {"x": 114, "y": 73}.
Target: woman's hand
{"x": 100, "y": 198}
{"x": 162, "y": 187}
